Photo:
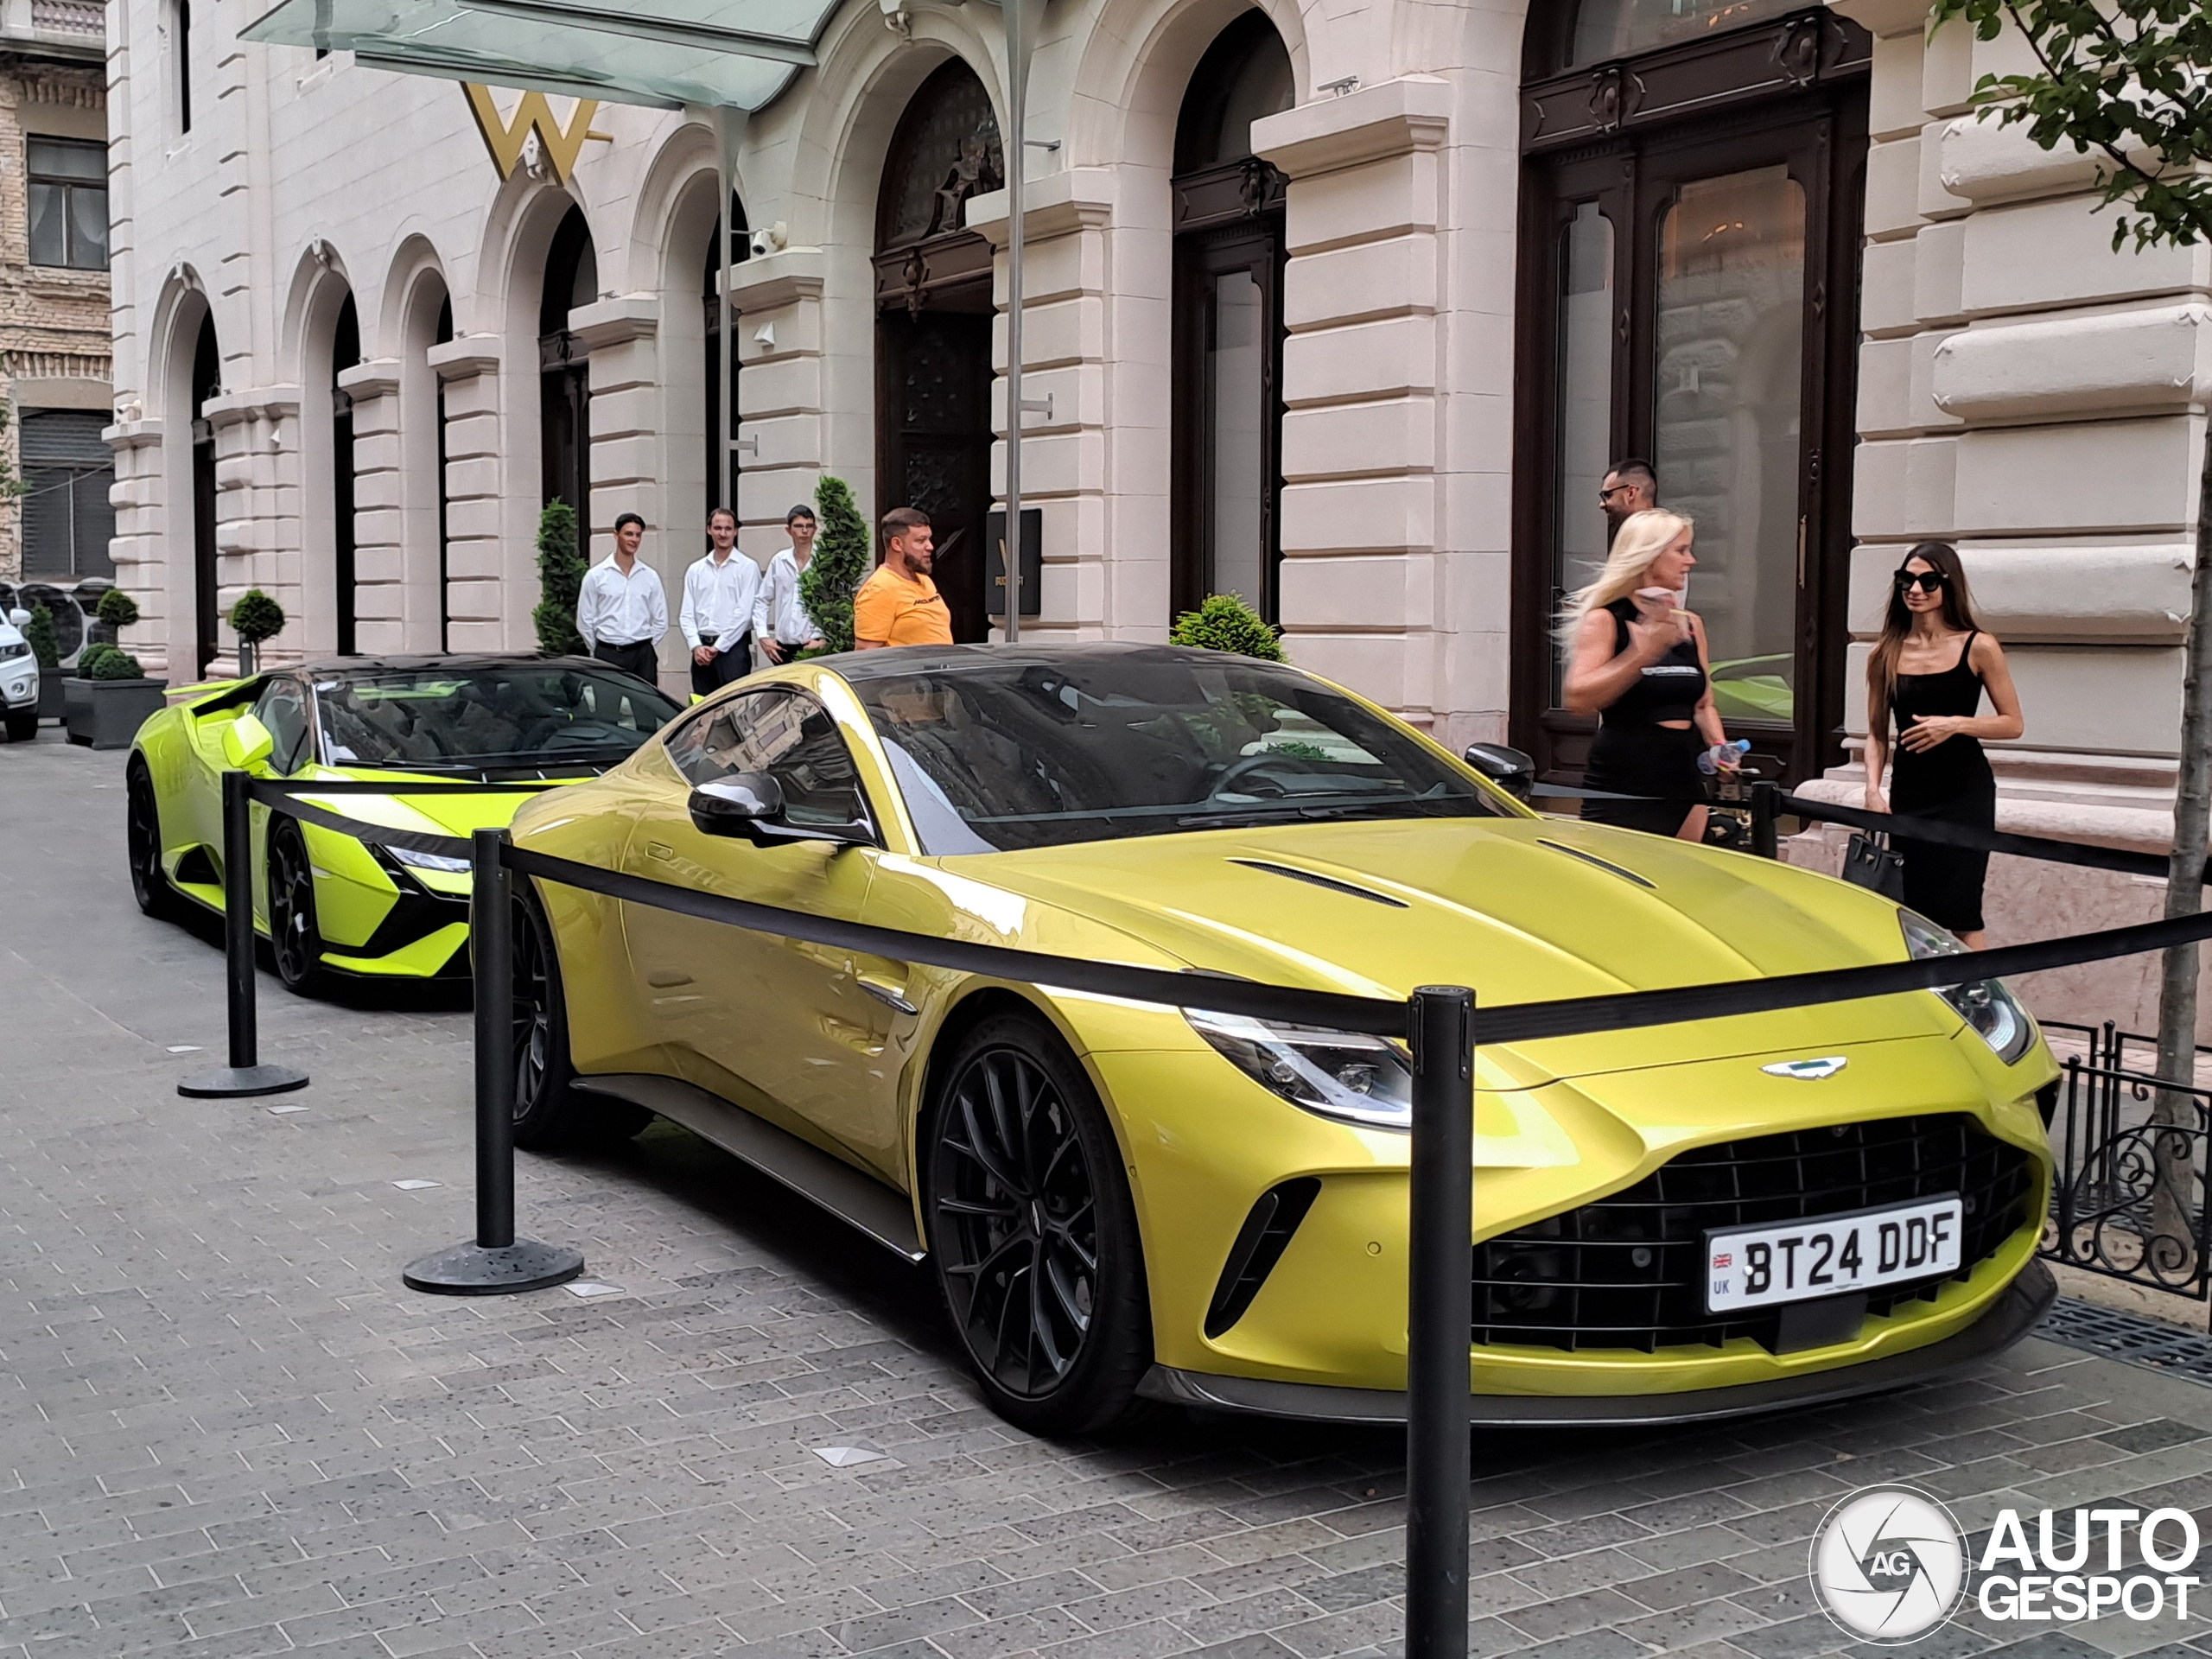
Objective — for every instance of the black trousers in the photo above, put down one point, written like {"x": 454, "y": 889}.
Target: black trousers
{"x": 734, "y": 662}
{"x": 639, "y": 657}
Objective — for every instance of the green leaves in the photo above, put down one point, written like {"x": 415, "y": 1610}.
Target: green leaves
{"x": 1225, "y": 622}
{"x": 116, "y": 608}
{"x": 560, "y": 567}
{"x": 2126, "y": 80}
{"x": 256, "y": 617}
{"x": 39, "y": 635}
{"x": 840, "y": 563}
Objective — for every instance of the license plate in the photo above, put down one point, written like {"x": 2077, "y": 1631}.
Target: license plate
{"x": 1829, "y": 1255}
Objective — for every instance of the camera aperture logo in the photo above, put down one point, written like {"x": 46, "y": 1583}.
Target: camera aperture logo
{"x": 1889, "y": 1564}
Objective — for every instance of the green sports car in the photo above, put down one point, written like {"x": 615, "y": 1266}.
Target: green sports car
{"x": 328, "y": 903}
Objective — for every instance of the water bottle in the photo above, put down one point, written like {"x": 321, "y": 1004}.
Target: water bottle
{"x": 1709, "y": 762}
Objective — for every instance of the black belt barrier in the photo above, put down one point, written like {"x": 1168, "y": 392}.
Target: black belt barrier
{"x": 1441, "y": 1024}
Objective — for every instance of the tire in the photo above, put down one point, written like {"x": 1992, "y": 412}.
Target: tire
{"x": 550, "y": 1114}
{"x": 150, "y": 883}
{"x": 1031, "y": 1232}
{"x": 23, "y": 725}
{"x": 294, "y": 939}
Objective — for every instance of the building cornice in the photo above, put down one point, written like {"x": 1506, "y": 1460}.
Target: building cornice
{"x": 617, "y": 322}
{"x": 1058, "y": 204}
{"x": 257, "y": 402}
{"x": 465, "y": 359}
{"x": 1393, "y": 118}
{"x": 377, "y": 378}
{"x": 784, "y": 278}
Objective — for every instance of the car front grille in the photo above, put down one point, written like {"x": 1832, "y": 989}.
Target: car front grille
{"x": 1627, "y": 1271}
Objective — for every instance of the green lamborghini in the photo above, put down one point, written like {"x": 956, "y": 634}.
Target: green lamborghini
{"x": 330, "y": 904}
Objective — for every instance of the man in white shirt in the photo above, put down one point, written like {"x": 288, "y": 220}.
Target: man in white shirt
{"x": 621, "y": 609}
{"x": 779, "y": 618}
{"x": 720, "y": 593}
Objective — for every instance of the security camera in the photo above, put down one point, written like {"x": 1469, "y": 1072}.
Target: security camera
{"x": 761, "y": 245}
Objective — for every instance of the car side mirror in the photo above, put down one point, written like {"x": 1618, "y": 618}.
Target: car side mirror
{"x": 1509, "y": 769}
{"x": 738, "y": 806}
{"x": 19, "y": 618}
{"x": 247, "y": 743}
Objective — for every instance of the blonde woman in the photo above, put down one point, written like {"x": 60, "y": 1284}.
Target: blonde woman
{"x": 1637, "y": 659}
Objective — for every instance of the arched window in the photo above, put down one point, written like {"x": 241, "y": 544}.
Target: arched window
{"x": 564, "y": 371}
{"x": 345, "y": 354}
{"x": 934, "y": 329}
{"x": 206, "y": 574}
{"x": 1226, "y": 483}
{"x": 439, "y": 335}
{"x": 741, "y": 250}
{"x": 1688, "y": 293}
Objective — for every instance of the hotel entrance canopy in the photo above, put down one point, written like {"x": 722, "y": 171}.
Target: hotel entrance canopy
{"x": 736, "y": 54}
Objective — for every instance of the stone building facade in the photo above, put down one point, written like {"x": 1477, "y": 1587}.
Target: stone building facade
{"x": 1346, "y": 310}
{"x": 55, "y": 331}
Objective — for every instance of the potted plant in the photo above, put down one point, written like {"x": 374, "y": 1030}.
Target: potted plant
{"x": 839, "y": 566}
{"x": 109, "y": 697}
{"x": 1225, "y": 622}
{"x": 255, "y": 617}
{"x": 561, "y": 570}
{"x": 39, "y": 635}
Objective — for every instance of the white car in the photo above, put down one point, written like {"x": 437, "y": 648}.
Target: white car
{"x": 18, "y": 678}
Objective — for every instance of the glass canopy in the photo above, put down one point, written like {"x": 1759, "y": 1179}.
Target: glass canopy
{"x": 738, "y": 53}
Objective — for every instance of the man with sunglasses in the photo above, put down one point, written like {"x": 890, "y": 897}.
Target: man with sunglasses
{"x": 1630, "y": 487}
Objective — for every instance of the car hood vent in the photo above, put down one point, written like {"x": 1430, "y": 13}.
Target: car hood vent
{"x": 1603, "y": 864}
{"x": 1319, "y": 880}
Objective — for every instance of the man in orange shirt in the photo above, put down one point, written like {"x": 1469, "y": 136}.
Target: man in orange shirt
{"x": 899, "y": 604}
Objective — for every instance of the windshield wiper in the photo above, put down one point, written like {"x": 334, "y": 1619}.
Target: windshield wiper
{"x": 1288, "y": 813}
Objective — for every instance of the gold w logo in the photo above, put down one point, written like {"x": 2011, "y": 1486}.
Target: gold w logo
{"x": 508, "y": 139}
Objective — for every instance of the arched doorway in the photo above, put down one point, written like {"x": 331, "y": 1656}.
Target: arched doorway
{"x": 345, "y": 354}
{"x": 564, "y": 370}
{"x": 934, "y": 329}
{"x": 1227, "y": 484}
{"x": 1690, "y": 295}
{"x": 720, "y": 420}
{"x": 440, "y": 332}
{"x": 206, "y": 382}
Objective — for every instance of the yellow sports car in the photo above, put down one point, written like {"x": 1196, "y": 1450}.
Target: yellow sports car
{"x": 330, "y": 904}
{"x": 1126, "y": 1200}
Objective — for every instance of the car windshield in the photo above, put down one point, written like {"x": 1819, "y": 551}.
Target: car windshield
{"x": 525, "y": 715}
{"x": 993, "y": 757}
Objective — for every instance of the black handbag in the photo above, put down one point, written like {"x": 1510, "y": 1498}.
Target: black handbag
{"x": 1870, "y": 862}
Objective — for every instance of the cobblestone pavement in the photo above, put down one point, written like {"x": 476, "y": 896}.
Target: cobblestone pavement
{"x": 227, "y": 1429}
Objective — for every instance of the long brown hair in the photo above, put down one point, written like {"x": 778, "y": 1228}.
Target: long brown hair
{"x": 1896, "y": 622}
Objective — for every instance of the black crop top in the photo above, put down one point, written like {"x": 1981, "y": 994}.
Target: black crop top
{"x": 1668, "y": 689}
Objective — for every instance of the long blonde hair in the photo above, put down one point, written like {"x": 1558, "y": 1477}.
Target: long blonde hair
{"x": 1642, "y": 537}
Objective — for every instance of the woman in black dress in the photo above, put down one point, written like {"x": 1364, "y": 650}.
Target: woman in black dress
{"x": 1928, "y": 672}
{"x": 1638, "y": 660}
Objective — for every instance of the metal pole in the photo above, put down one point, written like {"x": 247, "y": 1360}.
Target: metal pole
{"x": 1766, "y": 807}
{"x": 1016, "y": 152}
{"x": 491, "y": 933}
{"x": 245, "y": 1076}
{"x": 1439, "y": 1311}
{"x": 495, "y": 1263}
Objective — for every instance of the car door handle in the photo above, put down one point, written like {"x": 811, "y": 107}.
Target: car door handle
{"x": 664, "y": 978}
{"x": 889, "y": 992}
{"x": 658, "y": 850}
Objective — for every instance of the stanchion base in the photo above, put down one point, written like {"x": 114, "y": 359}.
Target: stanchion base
{"x": 473, "y": 1270}
{"x": 236, "y": 1082}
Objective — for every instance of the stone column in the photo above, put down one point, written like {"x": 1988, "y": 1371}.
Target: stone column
{"x": 468, "y": 368}
{"x": 140, "y": 549}
{"x": 776, "y": 300}
{"x": 1364, "y": 571}
{"x": 381, "y": 593}
{"x": 623, "y": 336}
{"x": 257, "y": 513}
{"x": 1066, "y": 465}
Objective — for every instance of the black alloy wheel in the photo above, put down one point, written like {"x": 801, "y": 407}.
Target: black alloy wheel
{"x": 549, "y": 1113}
{"x": 1032, "y": 1232}
{"x": 294, "y": 939}
{"x": 150, "y": 883}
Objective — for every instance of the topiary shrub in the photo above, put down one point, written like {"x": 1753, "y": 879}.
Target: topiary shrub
{"x": 89, "y": 657}
{"x": 826, "y": 586}
{"x": 38, "y": 634}
{"x": 118, "y": 609}
{"x": 255, "y": 617}
{"x": 1225, "y": 622}
{"x": 561, "y": 568}
{"x": 112, "y": 665}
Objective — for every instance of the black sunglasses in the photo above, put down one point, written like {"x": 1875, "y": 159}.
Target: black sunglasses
{"x": 1929, "y": 581}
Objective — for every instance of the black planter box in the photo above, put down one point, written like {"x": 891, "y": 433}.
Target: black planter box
{"x": 50, "y": 697}
{"x": 107, "y": 714}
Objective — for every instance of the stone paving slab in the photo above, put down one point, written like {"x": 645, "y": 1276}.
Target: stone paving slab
{"x": 225, "y": 1428}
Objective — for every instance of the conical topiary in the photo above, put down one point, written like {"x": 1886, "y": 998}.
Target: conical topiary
{"x": 1225, "y": 622}
{"x": 560, "y": 568}
{"x": 839, "y": 564}
{"x": 38, "y": 634}
{"x": 118, "y": 609}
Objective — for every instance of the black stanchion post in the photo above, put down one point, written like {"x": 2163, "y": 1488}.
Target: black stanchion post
{"x": 496, "y": 1263}
{"x": 245, "y": 1076}
{"x": 1439, "y": 1311}
{"x": 1766, "y": 807}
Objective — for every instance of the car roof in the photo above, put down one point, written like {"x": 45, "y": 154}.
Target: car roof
{"x": 463, "y": 660}
{"x": 900, "y": 660}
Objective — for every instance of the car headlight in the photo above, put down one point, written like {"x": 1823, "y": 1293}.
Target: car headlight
{"x": 408, "y": 855}
{"x": 1985, "y": 1004}
{"x": 1340, "y": 1074}
{"x": 18, "y": 648}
